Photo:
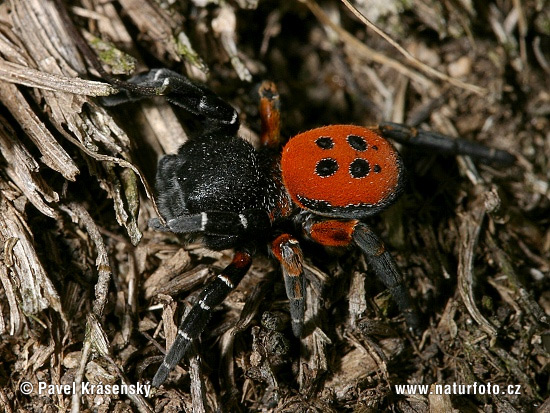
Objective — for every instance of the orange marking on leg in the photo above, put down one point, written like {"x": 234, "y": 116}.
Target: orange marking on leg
{"x": 381, "y": 250}
{"x": 333, "y": 233}
{"x": 298, "y": 293}
{"x": 287, "y": 250}
{"x": 241, "y": 259}
{"x": 277, "y": 243}
{"x": 270, "y": 114}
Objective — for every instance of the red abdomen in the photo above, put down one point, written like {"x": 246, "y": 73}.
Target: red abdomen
{"x": 342, "y": 171}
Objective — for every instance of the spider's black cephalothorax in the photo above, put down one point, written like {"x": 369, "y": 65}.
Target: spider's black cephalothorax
{"x": 320, "y": 184}
{"x": 220, "y": 181}
{"x": 217, "y": 183}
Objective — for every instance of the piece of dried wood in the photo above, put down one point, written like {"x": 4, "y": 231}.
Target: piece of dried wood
{"x": 470, "y": 227}
{"x": 158, "y": 26}
{"x": 24, "y": 171}
{"x": 26, "y": 76}
{"x": 44, "y": 42}
{"x": 53, "y": 154}
{"x": 35, "y": 291}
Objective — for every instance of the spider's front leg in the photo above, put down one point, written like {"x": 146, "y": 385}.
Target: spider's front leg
{"x": 339, "y": 233}
{"x": 285, "y": 248}
{"x": 198, "y": 100}
{"x": 197, "y": 318}
{"x": 218, "y": 223}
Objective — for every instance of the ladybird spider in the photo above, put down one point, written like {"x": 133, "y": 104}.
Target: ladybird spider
{"x": 324, "y": 181}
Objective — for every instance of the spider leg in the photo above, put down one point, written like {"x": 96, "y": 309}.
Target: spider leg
{"x": 337, "y": 233}
{"x": 214, "y": 222}
{"x": 386, "y": 270}
{"x": 197, "y": 318}
{"x": 289, "y": 254}
{"x": 179, "y": 90}
{"x": 443, "y": 144}
{"x": 270, "y": 114}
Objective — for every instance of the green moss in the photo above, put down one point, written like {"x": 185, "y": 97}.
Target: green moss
{"x": 119, "y": 62}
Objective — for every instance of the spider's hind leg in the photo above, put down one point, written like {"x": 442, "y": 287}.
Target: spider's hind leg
{"x": 197, "y": 318}
{"x": 443, "y": 144}
{"x": 340, "y": 233}
{"x": 386, "y": 270}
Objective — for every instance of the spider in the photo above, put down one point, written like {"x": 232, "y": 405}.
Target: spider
{"x": 321, "y": 183}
